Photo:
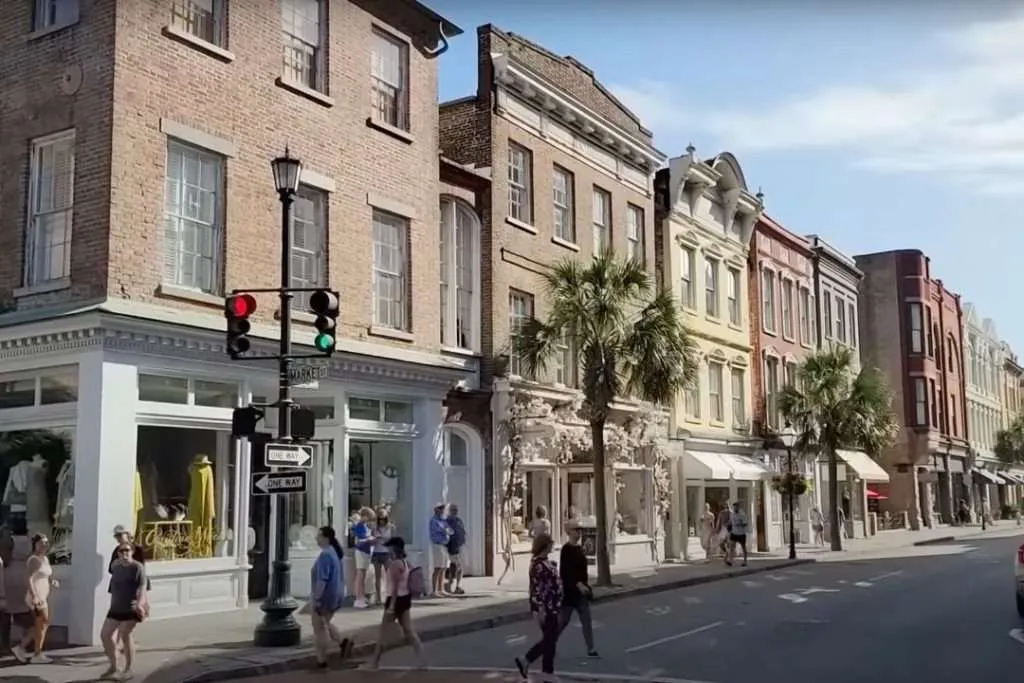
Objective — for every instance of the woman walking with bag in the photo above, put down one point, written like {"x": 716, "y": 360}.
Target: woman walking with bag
{"x": 327, "y": 595}
{"x": 399, "y": 603}
{"x": 546, "y": 604}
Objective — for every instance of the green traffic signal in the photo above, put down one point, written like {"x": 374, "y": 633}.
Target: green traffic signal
{"x": 323, "y": 342}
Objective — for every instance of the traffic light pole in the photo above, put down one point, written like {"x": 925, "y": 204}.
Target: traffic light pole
{"x": 279, "y": 627}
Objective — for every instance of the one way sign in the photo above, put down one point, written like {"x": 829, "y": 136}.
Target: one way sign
{"x": 287, "y": 455}
{"x": 273, "y": 483}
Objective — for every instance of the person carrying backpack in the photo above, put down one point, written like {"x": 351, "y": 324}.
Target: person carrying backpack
{"x": 398, "y": 607}
{"x": 456, "y": 542}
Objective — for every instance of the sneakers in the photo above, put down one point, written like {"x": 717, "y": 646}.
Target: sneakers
{"x": 360, "y": 604}
{"x": 40, "y": 659}
{"x": 19, "y": 653}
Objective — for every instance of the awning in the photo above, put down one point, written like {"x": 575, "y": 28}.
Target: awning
{"x": 875, "y": 495}
{"x": 863, "y": 466}
{"x": 1018, "y": 475}
{"x": 1005, "y": 480}
{"x": 987, "y": 476}
{"x": 722, "y": 466}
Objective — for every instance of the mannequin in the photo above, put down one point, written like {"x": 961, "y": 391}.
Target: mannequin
{"x": 25, "y": 494}
{"x": 202, "y": 505}
{"x": 387, "y": 482}
{"x": 327, "y": 496}
{"x": 137, "y": 503}
{"x": 64, "y": 516}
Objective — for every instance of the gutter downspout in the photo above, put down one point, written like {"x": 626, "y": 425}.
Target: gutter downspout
{"x": 945, "y": 510}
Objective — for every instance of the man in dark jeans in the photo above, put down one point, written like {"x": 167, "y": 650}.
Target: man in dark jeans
{"x": 576, "y": 592}
{"x": 456, "y": 542}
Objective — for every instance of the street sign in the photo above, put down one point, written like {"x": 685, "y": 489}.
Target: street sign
{"x": 288, "y": 455}
{"x": 307, "y": 376}
{"x": 274, "y": 483}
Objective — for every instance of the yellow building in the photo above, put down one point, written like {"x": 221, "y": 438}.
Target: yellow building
{"x": 705, "y": 217}
{"x": 1011, "y": 399}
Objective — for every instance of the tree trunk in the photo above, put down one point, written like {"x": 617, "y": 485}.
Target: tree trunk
{"x": 835, "y": 533}
{"x": 604, "y": 564}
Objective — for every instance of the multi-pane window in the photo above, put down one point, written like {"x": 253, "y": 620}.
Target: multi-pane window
{"x": 565, "y": 363}
{"x": 460, "y": 229}
{"x": 771, "y": 391}
{"x": 193, "y": 227}
{"x": 953, "y": 430}
{"x": 687, "y": 266}
{"x": 635, "y": 232}
{"x": 734, "y": 285}
{"x": 739, "y": 410}
{"x": 768, "y": 300}
{"x": 390, "y": 271}
{"x": 929, "y": 339}
{"x": 691, "y": 398}
{"x": 562, "y": 199}
{"x": 309, "y": 243}
{"x": 790, "y": 374}
{"x": 715, "y": 398}
{"x": 711, "y": 287}
{"x": 520, "y": 170}
{"x": 51, "y": 208}
{"x": 520, "y": 312}
{"x": 303, "y": 53}
{"x": 916, "y": 328}
{"x": 920, "y": 402}
{"x": 787, "y": 309}
{"x": 804, "y": 307}
{"x": 826, "y": 313}
{"x": 389, "y": 80}
{"x": 49, "y": 13}
{"x": 935, "y": 403}
{"x": 203, "y": 19}
{"x": 602, "y": 220}
{"x": 851, "y": 320}
{"x": 840, "y": 320}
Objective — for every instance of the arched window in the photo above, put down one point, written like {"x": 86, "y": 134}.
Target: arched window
{"x": 460, "y": 275}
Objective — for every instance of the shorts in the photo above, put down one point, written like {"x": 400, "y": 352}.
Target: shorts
{"x": 379, "y": 559}
{"x": 455, "y": 559}
{"x": 402, "y": 604}
{"x": 738, "y": 538}
{"x": 122, "y": 617}
{"x": 362, "y": 560}
{"x": 439, "y": 556}
{"x": 23, "y": 619}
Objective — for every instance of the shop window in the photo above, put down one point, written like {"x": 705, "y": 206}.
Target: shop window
{"x": 184, "y": 487}
{"x": 57, "y": 385}
{"x": 315, "y": 509}
{"x": 58, "y": 388}
{"x": 216, "y": 394}
{"x": 633, "y": 502}
{"x": 162, "y": 389}
{"x": 694, "y": 509}
{"x": 380, "y": 475}
{"x": 187, "y": 391}
{"x": 37, "y": 478}
{"x": 376, "y": 410}
{"x": 581, "y": 494}
{"x": 539, "y": 494}
{"x": 18, "y": 393}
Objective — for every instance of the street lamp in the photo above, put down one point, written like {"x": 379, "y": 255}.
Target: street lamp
{"x": 788, "y": 438}
{"x": 279, "y": 627}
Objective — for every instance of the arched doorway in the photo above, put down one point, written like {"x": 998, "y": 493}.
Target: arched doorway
{"x": 464, "y": 486}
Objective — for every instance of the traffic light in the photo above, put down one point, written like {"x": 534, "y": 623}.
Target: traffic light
{"x": 237, "y": 309}
{"x": 325, "y": 306}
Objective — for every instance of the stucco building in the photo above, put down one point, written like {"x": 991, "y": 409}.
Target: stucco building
{"x": 910, "y": 328}
{"x": 572, "y": 173}
{"x": 1012, "y": 400}
{"x": 705, "y": 219}
{"x": 136, "y": 196}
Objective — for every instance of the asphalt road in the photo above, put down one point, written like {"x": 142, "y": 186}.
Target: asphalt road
{"x": 941, "y": 614}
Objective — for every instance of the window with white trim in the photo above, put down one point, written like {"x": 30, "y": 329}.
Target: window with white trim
{"x": 302, "y": 31}
{"x": 716, "y": 372}
{"x": 194, "y": 223}
{"x": 768, "y": 300}
{"x": 565, "y": 363}
{"x": 826, "y": 313}
{"x": 390, "y": 271}
{"x": 50, "y": 13}
{"x": 804, "y": 307}
{"x": 309, "y": 243}
{"x": 920, "y": 402}
{"x": 389, "y": 80}
{"x": 851, "y": 320}
{"x": 916, "y": 328}
{"x": 203, "y": 19}
{"x": 840, "y": 320}
{"x": 738, "y": 393}
{"x": 602, "y": 220}
{"x": 691, "y": 398}
{"x": 735, "y": 286}
{"x": 771, "y": 391}
{"x": 635, "y": 232}
{"x": 51, "y": 203}
{"x": 688, "y": 264}
{"x": 520, "y": 187}
{"x": 520, "y": 312}
{"x": 562, "y": 197}
{"x": 460, "y": 259}
{"x": 711, "y": 289}
{"x": 787, "y": 308}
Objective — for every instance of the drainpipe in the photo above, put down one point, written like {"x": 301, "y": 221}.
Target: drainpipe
{"x": 940, "y": 364}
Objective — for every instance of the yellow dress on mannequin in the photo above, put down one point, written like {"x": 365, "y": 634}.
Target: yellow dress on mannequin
{"x": 201, "y": 506}
{"x": 137, "y": 501}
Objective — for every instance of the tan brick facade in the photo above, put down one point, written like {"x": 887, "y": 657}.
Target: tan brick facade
{"x": 141, "y": 84}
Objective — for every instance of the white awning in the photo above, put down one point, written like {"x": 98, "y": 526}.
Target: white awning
{"x": 1018, "y": 475}
{"x": 722, "y": 466}
{"x": 987, "y": 476}
{"x": 864, "y": 467}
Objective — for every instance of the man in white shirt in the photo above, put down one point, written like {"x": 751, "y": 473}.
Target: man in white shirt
{"x": 738, "y": 533}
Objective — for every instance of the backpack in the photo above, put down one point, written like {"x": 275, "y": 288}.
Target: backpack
{"x": 417, "y": 584}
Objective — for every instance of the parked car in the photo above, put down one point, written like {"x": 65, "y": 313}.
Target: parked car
{"x": 1019, "y": 580}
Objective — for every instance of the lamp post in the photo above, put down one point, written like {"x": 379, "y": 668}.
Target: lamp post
{"x": 788, "y": 438}
{"x": 278, "y": 627}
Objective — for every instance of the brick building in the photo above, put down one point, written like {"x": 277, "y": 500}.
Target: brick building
{"x": 910, "y": 328}
{"x": 135, "y": 190}
{"x": 571, "y": 171}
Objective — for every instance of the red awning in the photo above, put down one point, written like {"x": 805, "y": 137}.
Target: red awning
{"x": 875, "y": 495}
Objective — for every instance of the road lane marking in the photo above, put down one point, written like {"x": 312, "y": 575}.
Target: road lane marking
{"x": 863, "y": 584}
{"x": 841, "y": 582}
{"x": 751, "y": 584}
{"x": 793, "y": 597}
{"x": 1018, "y": 635}
{"x": 812, "y": 591}
{"x": 563, "y": 675}
{"x": 887, "y": 575}
{"x": 658, "y": 611}
{"x": 692, "y": 600}
{"x": 678, "y": 636}
{"x": 776, "y": 577}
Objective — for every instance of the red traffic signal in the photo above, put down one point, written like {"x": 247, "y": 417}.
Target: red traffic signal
{"x": 240, "y": 306}
{"x": 237, "y": 309}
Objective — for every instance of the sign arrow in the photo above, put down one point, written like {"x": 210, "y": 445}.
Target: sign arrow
{"x": 287, "y": 455}
{"x": 274, "y": 483}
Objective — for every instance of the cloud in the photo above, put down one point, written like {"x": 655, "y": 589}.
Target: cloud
{"x": 961, "y": 117}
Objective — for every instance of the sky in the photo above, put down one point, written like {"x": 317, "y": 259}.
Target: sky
{"x": 878, "y": 125}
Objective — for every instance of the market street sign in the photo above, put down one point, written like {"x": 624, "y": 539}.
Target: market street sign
{"x": 274, "y": 483}
{"x": 288, "y": 455}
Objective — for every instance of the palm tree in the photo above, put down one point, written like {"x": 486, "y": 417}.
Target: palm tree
{"x": 831, "y": 408}
{"x": 629, "y": 340}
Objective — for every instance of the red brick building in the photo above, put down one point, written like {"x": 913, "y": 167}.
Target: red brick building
{"x": 910, "y": 328}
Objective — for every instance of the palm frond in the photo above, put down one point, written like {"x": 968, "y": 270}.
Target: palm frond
{"x": 535, "y": 344}
{"x": 660, "y": 358}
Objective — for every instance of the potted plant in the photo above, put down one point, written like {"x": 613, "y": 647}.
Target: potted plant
{"x": 787, "y": 483}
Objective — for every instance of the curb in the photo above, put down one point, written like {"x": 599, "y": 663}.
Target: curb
{"x": 305, "y": 658}
{"x": 935, "y": 541}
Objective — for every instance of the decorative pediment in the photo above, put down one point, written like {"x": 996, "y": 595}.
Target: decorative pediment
{"x": 736, "y": 263}
{"x": 688, "y": 238}
{"x": 739, "y": 361}
{"x": 717, "y": 354}
{"x": 714, "y": 251}
{"x": 772, "y": 352}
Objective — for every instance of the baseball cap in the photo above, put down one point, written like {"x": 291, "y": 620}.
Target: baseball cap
{"x": 120, "y": 529}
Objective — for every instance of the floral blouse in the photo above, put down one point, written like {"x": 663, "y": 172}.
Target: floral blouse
{"x": 545, "y": 586}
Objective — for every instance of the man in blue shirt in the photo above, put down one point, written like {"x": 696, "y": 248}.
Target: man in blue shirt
{"x": 440, "y": 532}
{"x": 456, "y": 542}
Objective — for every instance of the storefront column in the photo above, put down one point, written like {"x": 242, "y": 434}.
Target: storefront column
{"x": 428, "y": 468}
{"x": 105, "y": 444}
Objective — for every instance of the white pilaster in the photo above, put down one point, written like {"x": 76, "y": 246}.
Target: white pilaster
{"x": 105, "y": 443}
{"x": 428, "y": 467}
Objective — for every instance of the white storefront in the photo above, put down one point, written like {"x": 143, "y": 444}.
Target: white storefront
{"x": 145, "y": 408}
